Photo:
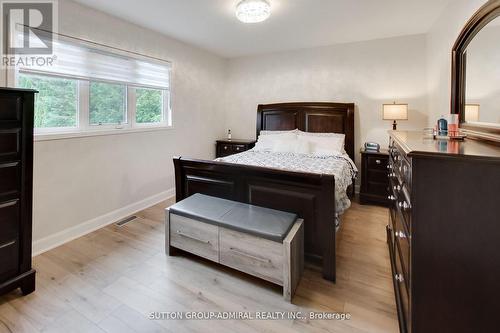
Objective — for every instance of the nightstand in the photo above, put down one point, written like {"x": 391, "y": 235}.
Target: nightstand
{"x": 374, "y": 177}
{"x": 229, "y": 147}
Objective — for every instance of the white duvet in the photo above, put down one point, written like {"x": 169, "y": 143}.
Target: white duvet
{"x": 341, "y": 167}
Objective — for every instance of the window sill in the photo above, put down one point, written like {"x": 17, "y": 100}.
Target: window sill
{"x": 103, "y": 132}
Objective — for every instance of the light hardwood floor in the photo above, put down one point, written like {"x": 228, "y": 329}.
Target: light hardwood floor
{"x": 111, "y": 279}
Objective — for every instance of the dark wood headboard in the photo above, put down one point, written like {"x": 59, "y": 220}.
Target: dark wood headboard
{"x": 318, "y": 117}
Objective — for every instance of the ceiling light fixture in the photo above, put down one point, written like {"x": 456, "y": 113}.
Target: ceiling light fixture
{"x": 253, "y": 11}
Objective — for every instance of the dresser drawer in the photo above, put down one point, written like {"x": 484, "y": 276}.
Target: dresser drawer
{"x": 9, "y": 220}
{"x": 377, "y": 162}
{"x": 195, "y": 237}
{"x": 401, "y": 284}
{"x": 10, "y": 175}
{"x": 9, "y": 259}
{"x": 402, "y": 239}
{"x": 10, "y": 108}
{"x": 9, "y": 144}
{"x": 256, "y": 256}
{"x": 238, "y": 148}
{"x": 378, "y": 175}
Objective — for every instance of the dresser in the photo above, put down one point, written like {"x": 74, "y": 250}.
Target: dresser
{"x": 444, "y": 233}
{"x": 16, "y": 173}
{"x": 374, "y": 180}
{"x": 229, "y": 147}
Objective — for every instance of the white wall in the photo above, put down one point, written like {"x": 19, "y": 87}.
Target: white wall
{"x": 81, "y": 180}
{"x": 366, "y": 73}
{"x": 440, "y": 40}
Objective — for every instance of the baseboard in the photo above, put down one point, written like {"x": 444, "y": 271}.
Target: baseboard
{"x": 64, "y": 236}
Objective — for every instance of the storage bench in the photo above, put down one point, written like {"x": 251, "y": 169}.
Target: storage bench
{"x": 259, "y": 241}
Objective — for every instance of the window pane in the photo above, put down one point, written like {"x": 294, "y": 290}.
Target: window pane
{"x": 149, "y": 107}
{"x": 107, "y": 103}
{"x": 56, "y": 102}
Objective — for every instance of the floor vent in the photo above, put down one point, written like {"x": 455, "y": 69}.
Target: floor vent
{"x": 129, "y": 219}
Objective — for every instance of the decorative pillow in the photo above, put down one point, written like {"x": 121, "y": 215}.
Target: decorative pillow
{"x": 325, "y": 145}
{"x": 267, "y": 142}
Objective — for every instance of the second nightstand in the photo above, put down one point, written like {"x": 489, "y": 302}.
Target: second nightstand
{"x": 229, "y": 147}
{"x": 374, "y": 177}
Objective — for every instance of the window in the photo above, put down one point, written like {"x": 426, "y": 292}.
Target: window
{"x": 107, "y": 103}
{"x": 149, "y": 106}
{"x": 56, "y": 104}
{"x": 92, "y": 88}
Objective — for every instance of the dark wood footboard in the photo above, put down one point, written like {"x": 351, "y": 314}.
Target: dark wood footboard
{"x": 311, "y": 196}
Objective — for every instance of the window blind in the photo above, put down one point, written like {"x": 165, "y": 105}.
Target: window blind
{"x": 85, "y": 60}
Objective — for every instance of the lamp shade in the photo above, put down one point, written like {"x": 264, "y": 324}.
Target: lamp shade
{"x": 395, "y": 111}
{"x": 471, "y": 112}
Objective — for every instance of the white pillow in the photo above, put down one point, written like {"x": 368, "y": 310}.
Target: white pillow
{"x": 267, "y": 142}
{"x": 325, "y": 145}
{"x": 278, "y": 132}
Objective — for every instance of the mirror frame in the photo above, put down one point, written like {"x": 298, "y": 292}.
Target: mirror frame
{"x": 488, "y": 12}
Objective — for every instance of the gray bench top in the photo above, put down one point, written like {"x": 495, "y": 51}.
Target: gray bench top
{"x": 259, "y": 221}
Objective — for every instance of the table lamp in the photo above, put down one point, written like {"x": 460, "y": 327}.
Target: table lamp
{"x": 395, "y": 112}
{"x": 471, "y": 112}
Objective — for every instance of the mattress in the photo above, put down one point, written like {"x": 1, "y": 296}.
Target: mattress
{"x": 341, "y": 167}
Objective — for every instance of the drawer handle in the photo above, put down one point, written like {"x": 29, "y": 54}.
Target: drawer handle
{"x": 8, "y": 204}
{"x": 238, "y": 148}
{"x": 397, "y": 187}
{"x": 7, "y": 244}
{"x": 180, "y": 233}
{"x": 389, "y": 166}
{"x": 225, "y": 147}
{"x": 268, "y": 261}
{"x": 391, "y": 197}
{"x": 378, "y": 161}
{"x": 403, "y": 205}
{"x": 400, "y": 234}
{"x": 399, "y": 277}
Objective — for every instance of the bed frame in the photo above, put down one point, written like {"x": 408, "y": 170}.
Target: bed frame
{"x": 309, "y": 195}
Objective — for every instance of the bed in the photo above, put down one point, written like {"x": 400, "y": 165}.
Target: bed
{"x": 309, "y": 193}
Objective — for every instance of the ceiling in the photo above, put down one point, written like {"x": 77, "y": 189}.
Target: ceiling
{"x": 294, "y": 24}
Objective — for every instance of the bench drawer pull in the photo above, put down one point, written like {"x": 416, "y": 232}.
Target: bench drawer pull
{"x": 180, "y": 233}
{"x": 249, "y": 255}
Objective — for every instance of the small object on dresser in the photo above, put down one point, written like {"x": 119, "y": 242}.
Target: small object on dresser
{"x": 442, "y": 126}
{"x": 229, "y": 134}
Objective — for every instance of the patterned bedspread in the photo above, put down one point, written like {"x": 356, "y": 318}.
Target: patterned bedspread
{"x": 341, "y": 167}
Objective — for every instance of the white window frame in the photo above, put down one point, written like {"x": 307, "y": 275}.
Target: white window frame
{"x": 84, "y": 128}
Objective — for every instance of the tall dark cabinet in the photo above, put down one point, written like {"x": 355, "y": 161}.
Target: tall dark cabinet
{"x": 444, "y": 233}
{"x": 16, "y": 183}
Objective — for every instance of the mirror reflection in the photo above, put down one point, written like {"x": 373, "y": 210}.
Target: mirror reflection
{"x": 482, "y": 92}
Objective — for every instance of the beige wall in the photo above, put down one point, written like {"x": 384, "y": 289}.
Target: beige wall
{"x": 440, "y": 40}
{"x": 367, "y": 73}
{"x": 79, "y": 182}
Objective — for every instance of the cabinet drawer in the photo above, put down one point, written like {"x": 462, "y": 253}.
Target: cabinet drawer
{"x": 402, "y": 240}
{"x": 238, "y": 148}
{"x": 10, "y": 108}
{"x": 10, "y": 175}
{"x": 379, "y": 176}
{"x": 401, "y": 283}
{"x": 9, "y": 220}
{"x": 256, "y": 256}
{"x": 377, "y": 188}
{"x": 195, "y": 237}
{"x": 9, "y": 256}
{"x": 9, "y": 144}
{"x": 377, "y": 162}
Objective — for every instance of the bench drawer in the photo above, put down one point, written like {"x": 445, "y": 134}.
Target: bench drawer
{"x": 256, "y": 256}
{"x": 195, "y": 237}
